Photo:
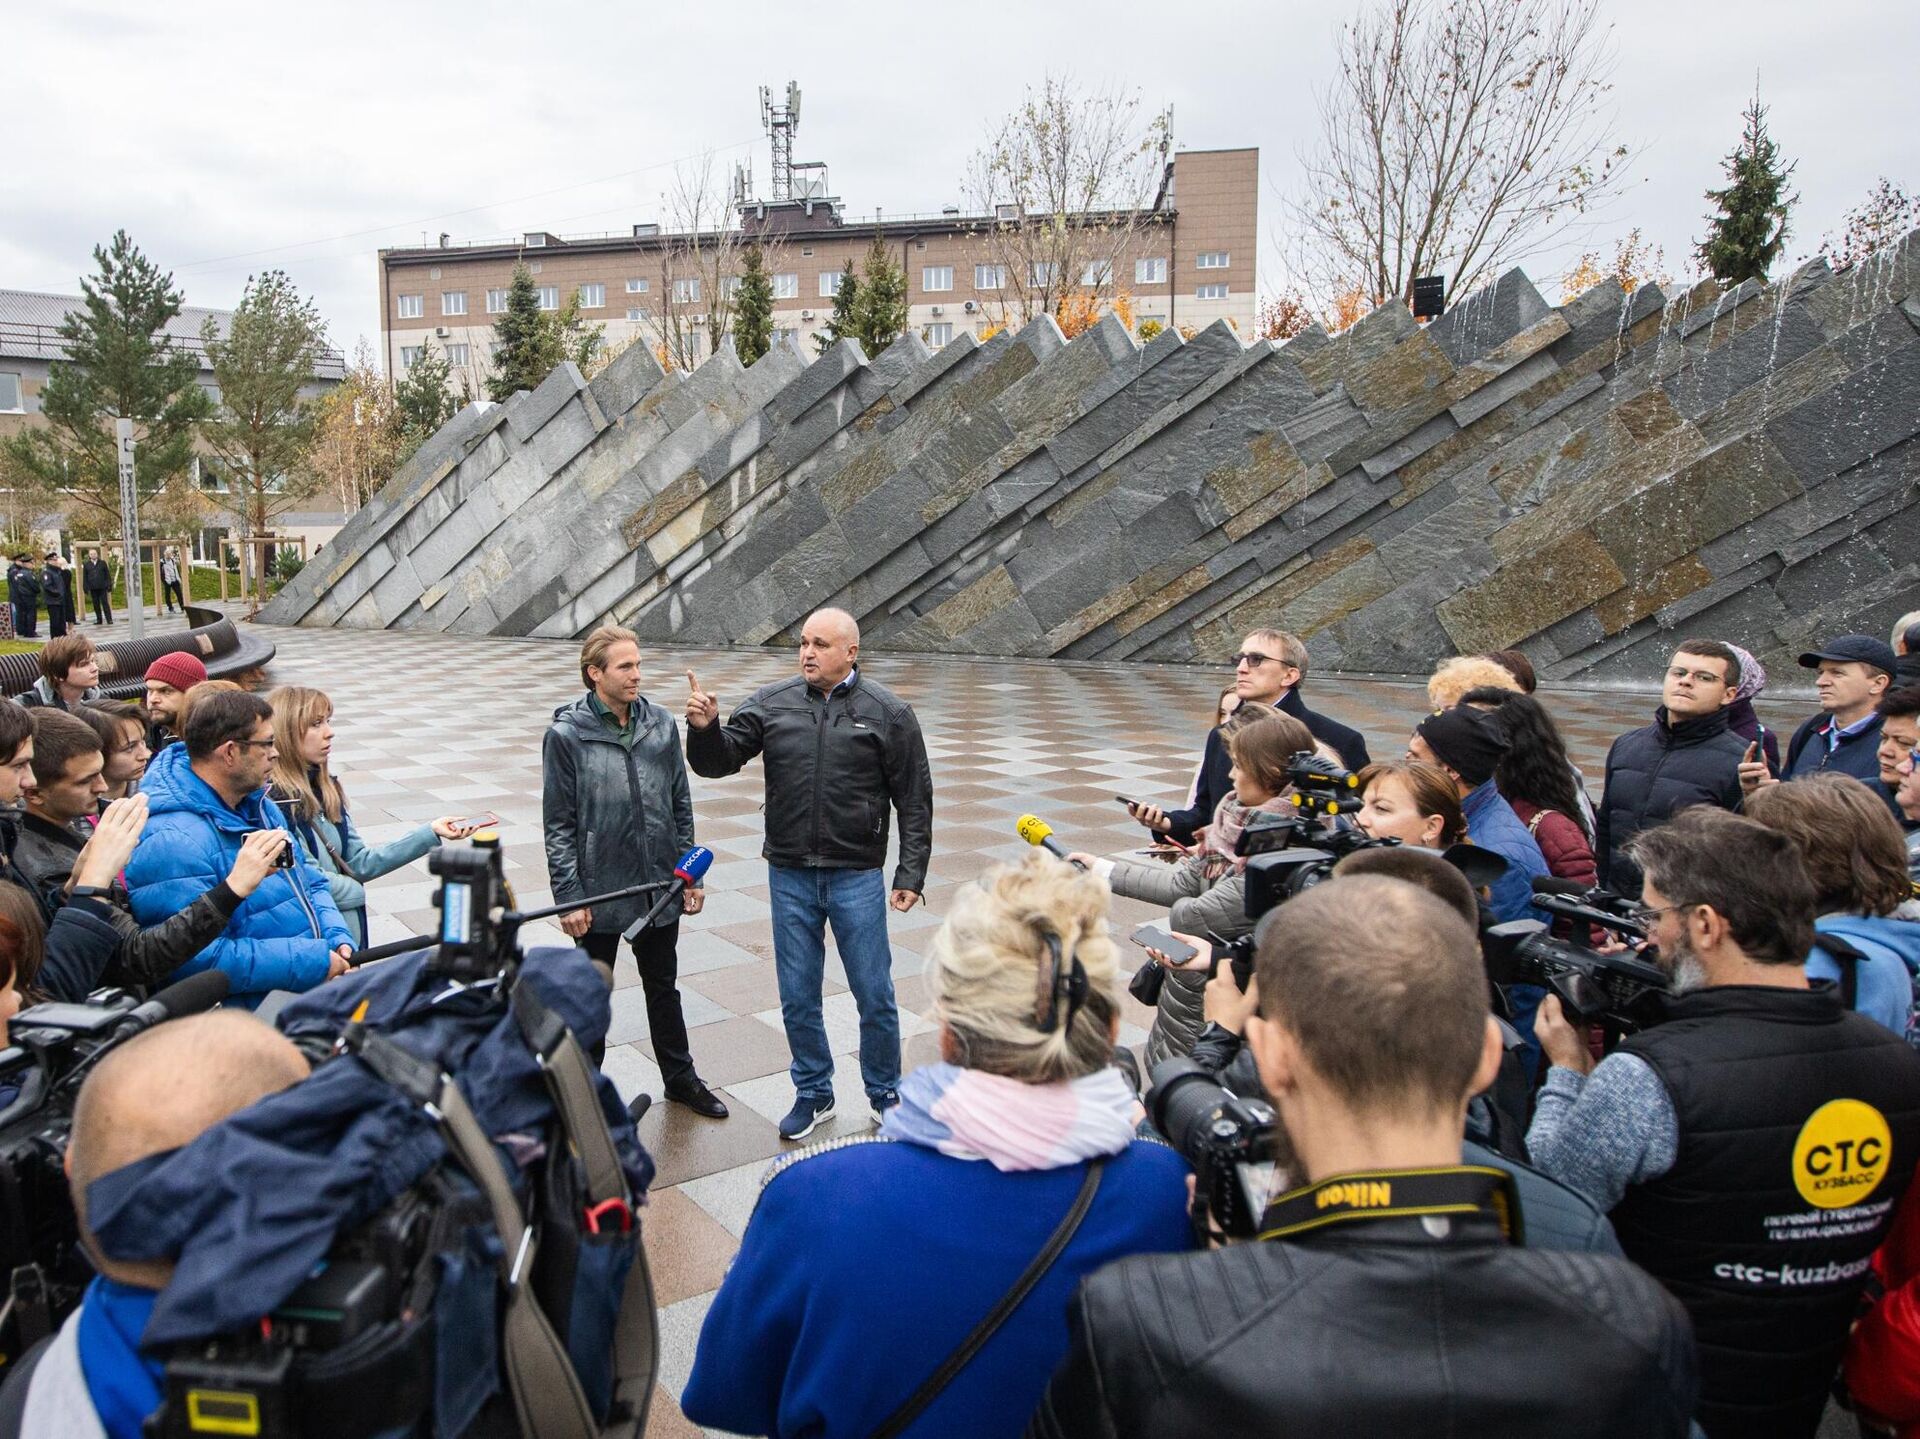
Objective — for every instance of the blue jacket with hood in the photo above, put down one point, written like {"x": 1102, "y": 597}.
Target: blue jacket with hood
{"x": 283, "y": 934}
{"x": 1884, "y": 978}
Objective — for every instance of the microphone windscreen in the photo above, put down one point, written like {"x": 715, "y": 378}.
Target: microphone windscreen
{"x": 1033, "y": 829}
{"x": 193, "y": 994}
{"x": 694, "y": 864}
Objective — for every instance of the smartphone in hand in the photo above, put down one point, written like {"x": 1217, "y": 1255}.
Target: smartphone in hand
{"x": 1149, "y": 936}
{"x": 472, "y": 822}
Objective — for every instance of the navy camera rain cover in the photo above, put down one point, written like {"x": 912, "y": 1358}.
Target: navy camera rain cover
{"x": 250, "y": 1207}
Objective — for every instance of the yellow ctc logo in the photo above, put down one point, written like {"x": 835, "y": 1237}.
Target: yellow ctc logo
{"x": 1842, "y": 1154}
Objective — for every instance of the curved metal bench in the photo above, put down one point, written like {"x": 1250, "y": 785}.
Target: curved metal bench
{"x": 221, "y": 645}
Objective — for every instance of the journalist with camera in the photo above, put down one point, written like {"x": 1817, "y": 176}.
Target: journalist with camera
{"x": 1752, "y": 1146}
{"x": 157, "y": 1092}
{"x": 1386, "y": 1294}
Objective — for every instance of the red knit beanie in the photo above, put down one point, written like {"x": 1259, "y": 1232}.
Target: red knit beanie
{"x": 182, "y": 671}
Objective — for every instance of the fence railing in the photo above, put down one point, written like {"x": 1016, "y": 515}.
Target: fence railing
{"x": 45, "y": 342}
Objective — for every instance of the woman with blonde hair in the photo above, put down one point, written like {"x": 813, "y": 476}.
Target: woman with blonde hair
{"x": 1453, "y": 678}
{"x": 315, "y": 805}
{"x": 1018, "y": 1147}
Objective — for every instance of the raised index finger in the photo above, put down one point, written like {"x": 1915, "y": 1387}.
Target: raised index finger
{"x": 693, "y": 685}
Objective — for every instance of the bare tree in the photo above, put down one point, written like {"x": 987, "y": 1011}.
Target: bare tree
{"x": 699, "y": 264}
{"x": 1063, "y": 185}
{"x": 356, "y": 444}
{"x": 1459, "y": 135}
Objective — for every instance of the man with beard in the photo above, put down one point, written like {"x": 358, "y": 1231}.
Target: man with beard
{"x": 1752, "y": 1146}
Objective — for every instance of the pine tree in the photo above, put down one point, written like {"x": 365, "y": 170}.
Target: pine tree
{"x": 1750, "y": 230}
{"x": 424, "y": 399}
{"x": 521, "y": 340}
{"x": 264, "y": 426}
{"x": 119, "y": 363}
{"x": 880, "y": 317}
{"x": 753, "y": 307}
{"x": 843, "y": 323}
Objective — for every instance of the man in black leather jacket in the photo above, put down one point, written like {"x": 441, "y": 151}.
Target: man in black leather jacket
{"x": 839, "y": 750}
{"x": 1386, "y": 1294}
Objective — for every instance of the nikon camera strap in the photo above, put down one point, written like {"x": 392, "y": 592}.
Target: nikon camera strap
{"x": 1457, "y": 1190}
{"x": 636, "y": 1338}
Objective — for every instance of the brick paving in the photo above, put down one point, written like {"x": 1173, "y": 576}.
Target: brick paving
{"x": 430, "y": 725}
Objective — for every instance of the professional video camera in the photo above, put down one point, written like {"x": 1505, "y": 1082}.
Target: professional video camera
{"x": 1288, "y": 853}
{"x": 51, "y": 1049}
{"x": 1225, "y": 1138}
{"x": 1613, "y": 990}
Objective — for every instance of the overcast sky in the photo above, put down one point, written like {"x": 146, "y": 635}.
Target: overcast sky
{"x": 229, "y": 138}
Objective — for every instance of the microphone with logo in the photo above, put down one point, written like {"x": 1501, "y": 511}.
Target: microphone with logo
{"x": 687, "y": 873}
{"x": 1038, "y": 833}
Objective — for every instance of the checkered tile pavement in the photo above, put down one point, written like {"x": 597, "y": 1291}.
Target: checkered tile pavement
{"x": 432, "y": 725}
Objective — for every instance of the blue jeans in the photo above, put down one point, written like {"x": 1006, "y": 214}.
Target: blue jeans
{"x": 854, "y": 902}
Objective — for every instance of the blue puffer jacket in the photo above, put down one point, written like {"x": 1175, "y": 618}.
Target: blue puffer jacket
{"x": 1884, "y": 979}
{"x": 282, "y": 935}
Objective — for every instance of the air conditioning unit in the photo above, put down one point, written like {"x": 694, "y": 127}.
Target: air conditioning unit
{"x": 441, "y": 331}
{"x": 806, "y": 314}
{"x": 969, "y": 307}
{"x": 938, "y": 311}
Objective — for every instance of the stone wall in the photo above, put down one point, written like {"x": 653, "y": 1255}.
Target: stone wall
{"x": 1579, "y": 482}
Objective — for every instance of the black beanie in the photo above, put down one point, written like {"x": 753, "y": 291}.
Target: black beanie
{"x": 1466, "y": 740}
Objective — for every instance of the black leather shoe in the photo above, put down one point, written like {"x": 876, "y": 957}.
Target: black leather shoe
{"x": 701, "y": 1100}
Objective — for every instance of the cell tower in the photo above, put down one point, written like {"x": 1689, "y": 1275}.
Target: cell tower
{"x": 780, "y": 121}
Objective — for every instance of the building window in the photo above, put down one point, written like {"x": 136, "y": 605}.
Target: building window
{"x": 639, "y": 317}
{"x": 496, "y": 302}
{"x": 1150, "y": 272}
{"x": 1040, "y": 273}
{"x": 10, "y": 400}
{"x": 829, "y": 283}
{"x": 1097, "y": 274}
{"x": 937, "y": 335}
{"x": 686, "y": 292}
{"x": 549, "y": 297}
{"x": 458, "y": 354}
{"x": 1210, "y": 292}
{"x": 786, "y": 287}
{"x": 806, "y": 251}
{"x": 1212, "y": 260}
{"x": 453, "y": 302}
{"x": 730, "y": 287}
{"x": 410, "y": 355}
{"x": 593, "y": 297}
{"x": 638, "y": 287}
{"x": 936, "y": 277}
{"x": 989, "y": 277}
{"x": 411, "y": 307}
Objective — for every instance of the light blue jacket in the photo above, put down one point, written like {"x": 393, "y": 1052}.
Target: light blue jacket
{"x": 284, "y": 933}
{"x": 1883, "y": 980}
{"x": 320, "y": 839}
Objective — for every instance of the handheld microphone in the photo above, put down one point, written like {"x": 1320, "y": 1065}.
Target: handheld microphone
{"x": 190, "y": 996}
{"x": 1038, "y": 833}
{"x": 687, "y": 874}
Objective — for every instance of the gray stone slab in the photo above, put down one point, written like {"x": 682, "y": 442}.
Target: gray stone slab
{"x": 1488, "y": 317}
{"x": 530, "y": 409}
{"x": 1871, "y": 410}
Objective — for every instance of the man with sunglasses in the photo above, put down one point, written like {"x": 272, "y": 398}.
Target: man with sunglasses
{"x": 1752, "y": 1146}
{"x": 1267, "y": 670}
{"x": 206, "y": 796}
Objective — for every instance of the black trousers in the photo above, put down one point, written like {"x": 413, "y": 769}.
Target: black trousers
{"x": 171, "y": 589}
{"x": 655, "y": 950}
{"x": 102, "y": 606}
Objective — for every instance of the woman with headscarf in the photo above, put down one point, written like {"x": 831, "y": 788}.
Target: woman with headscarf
{"x": 1741, "y": 718}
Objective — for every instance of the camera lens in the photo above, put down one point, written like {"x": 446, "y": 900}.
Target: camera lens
{"x": 1184, "y": 1101}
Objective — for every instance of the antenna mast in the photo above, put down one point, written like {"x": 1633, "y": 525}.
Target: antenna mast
{"x": 780, "y": 121}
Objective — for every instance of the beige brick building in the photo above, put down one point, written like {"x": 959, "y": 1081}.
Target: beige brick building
{"x": 1187, "y": 262}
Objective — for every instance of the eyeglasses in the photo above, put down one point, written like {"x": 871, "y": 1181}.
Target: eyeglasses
{"x": 1644, "y": 915}
{"x": 1250, "y": 658}
{"x": 253, "y": 743}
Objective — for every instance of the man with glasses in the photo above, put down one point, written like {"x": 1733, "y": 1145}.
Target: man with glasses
{"x": 1687, "y": 756}
{"x": 205, "y": 797}
{"x": 1752, "y": 1146}
{"x": 1267, "y": 670}
{"x": 1906, "y": 796}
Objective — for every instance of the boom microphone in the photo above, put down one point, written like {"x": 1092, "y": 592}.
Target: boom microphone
{"x": 1038, "y": 833}
{"x": 687, "y": 874}
{"x": 190, "y": 996}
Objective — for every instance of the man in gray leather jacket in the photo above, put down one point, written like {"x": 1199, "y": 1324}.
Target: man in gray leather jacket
{"x": 618, "y": 812}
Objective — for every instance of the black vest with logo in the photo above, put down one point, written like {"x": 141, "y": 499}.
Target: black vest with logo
{"x": 1799, "y": 1131}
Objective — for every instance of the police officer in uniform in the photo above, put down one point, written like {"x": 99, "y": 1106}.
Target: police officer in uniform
{"x": 1753, "y": 1146}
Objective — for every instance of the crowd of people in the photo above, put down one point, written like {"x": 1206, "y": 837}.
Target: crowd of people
{"x": 57, "y": 588}
{"x": 1697, "y": 1222}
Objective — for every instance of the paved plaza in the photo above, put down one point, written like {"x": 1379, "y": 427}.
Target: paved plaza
{"x": 430, "y": 725}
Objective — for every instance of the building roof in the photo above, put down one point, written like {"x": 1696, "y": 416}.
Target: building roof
{"x": 30, "y": 330}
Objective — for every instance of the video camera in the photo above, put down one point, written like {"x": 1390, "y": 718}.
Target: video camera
{"x": 1613, "y": 990}
{"x": 1289, "y": 853}
{"x": 51, "y": 1049}
{"x": 1226, "y": 1139}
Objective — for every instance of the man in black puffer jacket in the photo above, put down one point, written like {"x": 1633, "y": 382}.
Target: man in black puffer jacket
{"x": 1686, "y": 756}
{"x": 1388, "y": 1294}
{"x": 840, "y": 749}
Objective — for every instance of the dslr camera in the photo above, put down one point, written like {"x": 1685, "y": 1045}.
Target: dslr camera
{"x": 1289, "y": 853}
{"x": 1225, "y": 1138}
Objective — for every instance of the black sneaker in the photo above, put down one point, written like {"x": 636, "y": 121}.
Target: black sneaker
{"x": 805, "y": 1116}
{"x": 882, "y": 1102}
